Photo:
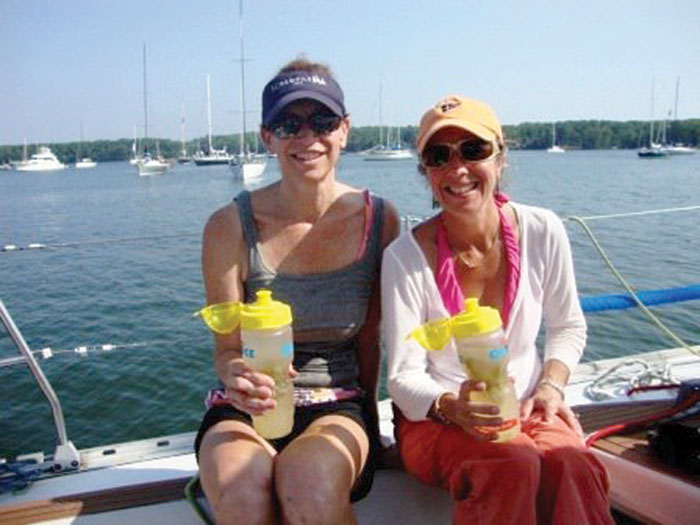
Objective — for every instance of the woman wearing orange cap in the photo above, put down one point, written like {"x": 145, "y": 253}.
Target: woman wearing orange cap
{"x": 317, "y": 244}
{"x": 517, "y": 259}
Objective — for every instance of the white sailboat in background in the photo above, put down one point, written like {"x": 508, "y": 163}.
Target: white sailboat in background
{"x": 83, "y": 162}
{"x": 212, "y": 156}
{"x": 246, "y": 165}
{"x": 184, "y": 158}
{"x": 678, "y": 148}
{"x": 554, "y": 148}
{"x": 654, "y": 150}
{"x": 388, "y": 151}
{"x": 17, "y": 163}
{"x": 148, "y": 165}
{"x": 135, "y": 156}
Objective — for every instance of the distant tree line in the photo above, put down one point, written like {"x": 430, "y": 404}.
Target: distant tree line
{"x": 601, "y": 134}
{"x": 578, "y": 134}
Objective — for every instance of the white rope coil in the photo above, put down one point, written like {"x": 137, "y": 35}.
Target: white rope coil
{"x": 634, "y": 373}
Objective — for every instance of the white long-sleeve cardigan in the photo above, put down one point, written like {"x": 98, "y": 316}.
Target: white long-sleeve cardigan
{"x": 546, "y": 291}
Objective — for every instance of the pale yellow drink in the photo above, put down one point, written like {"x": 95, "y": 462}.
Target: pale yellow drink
{"x": 480, "y": 341}
{"x": 483, "y": 362}
{"x": 279, "y": 421}
{"x": 481, "y": 346}
{"x": 266, "y": 335}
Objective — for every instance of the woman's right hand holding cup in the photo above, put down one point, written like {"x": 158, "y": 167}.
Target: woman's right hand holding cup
{"x": 248, "y": 390}
{"x": 470, "y": 414}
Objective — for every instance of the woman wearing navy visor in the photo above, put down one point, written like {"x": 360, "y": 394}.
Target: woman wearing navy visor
{"x": 317, "y": 244}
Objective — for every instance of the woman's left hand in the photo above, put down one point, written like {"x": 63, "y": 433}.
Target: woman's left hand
{"x": 548, "y": 401}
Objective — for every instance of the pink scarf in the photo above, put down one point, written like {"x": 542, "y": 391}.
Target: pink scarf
{"x": 451, "y": 292}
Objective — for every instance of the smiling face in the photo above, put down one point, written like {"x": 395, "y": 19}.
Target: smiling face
{"x": 459, "y": 186}
{"x": 307, "y": 154}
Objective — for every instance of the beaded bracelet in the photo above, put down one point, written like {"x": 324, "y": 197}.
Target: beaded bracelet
{"x": 555, "y": 386}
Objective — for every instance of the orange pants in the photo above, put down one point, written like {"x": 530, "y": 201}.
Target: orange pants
{"x": 545, "y": 475}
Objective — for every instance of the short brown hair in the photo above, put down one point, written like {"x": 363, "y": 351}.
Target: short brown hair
{"x": 301, "y": 63}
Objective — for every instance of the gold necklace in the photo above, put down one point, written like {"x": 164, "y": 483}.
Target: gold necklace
{"x": 471, "y": 264}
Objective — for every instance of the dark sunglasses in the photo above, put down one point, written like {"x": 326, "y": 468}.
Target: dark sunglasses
{"x": 288, "y": 126}
{"x": 469, "y": 150}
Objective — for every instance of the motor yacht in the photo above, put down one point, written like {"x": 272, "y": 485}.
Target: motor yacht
{"x": 42, "y": 160}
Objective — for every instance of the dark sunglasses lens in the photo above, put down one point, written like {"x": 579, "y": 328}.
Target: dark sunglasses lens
{"x": 436, "y": 155}
{"x": 286, "y": 127}
{"x": 475, "y": 149}
{"x": 324, "y": 123}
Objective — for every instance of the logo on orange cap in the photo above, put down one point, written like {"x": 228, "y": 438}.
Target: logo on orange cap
{"x": 448, "y": 104}
{"x": 457, "y": 111}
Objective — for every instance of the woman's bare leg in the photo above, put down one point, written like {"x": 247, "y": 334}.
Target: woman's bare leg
{"x": 316, "y": 472}
{"x": 236, "y": 471}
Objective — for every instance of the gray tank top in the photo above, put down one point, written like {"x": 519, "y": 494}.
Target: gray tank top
{"x": 328, "y": 308}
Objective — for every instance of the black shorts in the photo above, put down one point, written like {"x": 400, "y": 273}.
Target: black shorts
{"x": 303, "y": 417}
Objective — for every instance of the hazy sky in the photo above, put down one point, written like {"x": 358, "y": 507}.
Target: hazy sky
{"x": 67, "y": 62}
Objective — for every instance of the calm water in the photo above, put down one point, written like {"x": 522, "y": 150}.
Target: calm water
{"x": 141, "y": 292}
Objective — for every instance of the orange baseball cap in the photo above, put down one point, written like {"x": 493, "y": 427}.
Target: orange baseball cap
{"x": 456, "y": 111}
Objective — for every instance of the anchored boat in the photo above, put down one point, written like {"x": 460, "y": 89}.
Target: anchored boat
{"x": 212, "y": 156}
{"x": 42, "y": 160}
{"x": 148, "y": 164}
{"x": 246, "y": 166}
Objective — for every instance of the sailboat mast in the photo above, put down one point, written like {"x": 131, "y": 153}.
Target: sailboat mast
{"x": 240, "y": 19}
{"x": 209, "y": 114}
{"x": 182, "y": 127}
{"x": 80, "y": 144}
{"x": 145, "y": 102}
{"x": 381, "y": 141}
{"x": 651, "y": 118}
{"x": 675, "y": 105}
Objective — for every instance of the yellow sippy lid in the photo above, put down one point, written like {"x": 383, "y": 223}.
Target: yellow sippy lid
{"x": 432, "y": 335}
{"x": 475, "y": 320}
{"x": 221, "y": 318}
{"x": 265, "y": 313}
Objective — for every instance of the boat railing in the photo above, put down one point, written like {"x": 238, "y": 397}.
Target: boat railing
{"x": 634, "y": 373}
{"x": 582, "y": 221}
{"x": 66, "y": 455}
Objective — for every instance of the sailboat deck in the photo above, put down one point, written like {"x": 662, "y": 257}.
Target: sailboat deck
{"x": 147, "y": 487}
{"x": 631, "y": 446}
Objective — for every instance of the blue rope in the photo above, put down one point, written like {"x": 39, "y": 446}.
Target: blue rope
{"x": 16, "y": 476}
{"x": 600, "y": 303}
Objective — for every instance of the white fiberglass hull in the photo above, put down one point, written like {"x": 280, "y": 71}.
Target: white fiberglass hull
{"x": 389, "y": 155}
{"x": 41, "y": 166}
{"x": 152, "y": 167}
{"x": 247, "y": 170}
{"x": 680, "y": 150}
{"x": 211, "y": 161}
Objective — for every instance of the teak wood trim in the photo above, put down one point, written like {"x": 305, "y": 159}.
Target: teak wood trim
{"x": 94, "y": 502}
